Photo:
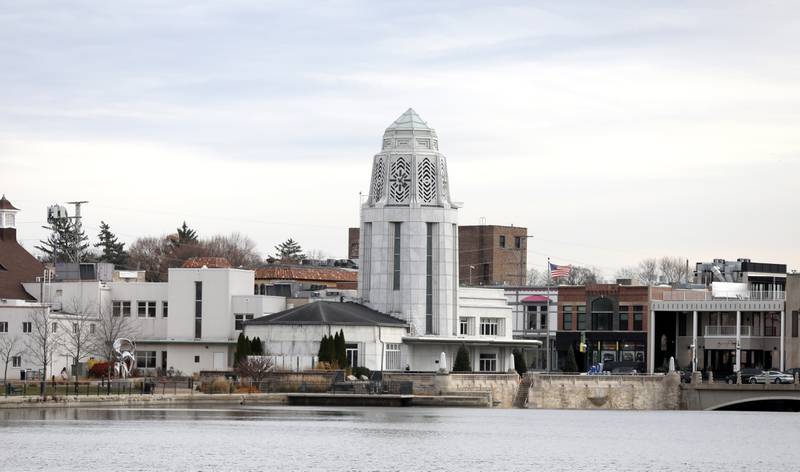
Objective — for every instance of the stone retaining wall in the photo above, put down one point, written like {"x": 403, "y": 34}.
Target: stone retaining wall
{"x": 502, "y": 387}
{"x": 613, "y": 392}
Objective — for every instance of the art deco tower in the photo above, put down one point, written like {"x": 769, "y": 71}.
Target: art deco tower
{"x": 409, "y": 232}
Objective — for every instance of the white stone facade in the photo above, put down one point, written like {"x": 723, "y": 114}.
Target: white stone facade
{"x": 414, "y": 274}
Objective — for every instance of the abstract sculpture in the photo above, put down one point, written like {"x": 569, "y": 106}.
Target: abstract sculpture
{"x": 125, "y": 359}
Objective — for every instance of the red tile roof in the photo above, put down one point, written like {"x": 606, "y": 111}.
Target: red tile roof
{"x": 316, "y": 274}
{"x": 16, "y": 266}
{"x": 209, "y": 262}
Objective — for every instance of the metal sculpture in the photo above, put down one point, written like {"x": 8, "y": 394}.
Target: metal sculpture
{"x": 125, "y": 358}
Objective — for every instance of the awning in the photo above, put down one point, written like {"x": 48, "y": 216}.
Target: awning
{"x": 535, "y": 299}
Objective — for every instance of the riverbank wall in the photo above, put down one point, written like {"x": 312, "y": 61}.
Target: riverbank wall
{"x": 498, "y": 389}
{"x": 603, "y": 392}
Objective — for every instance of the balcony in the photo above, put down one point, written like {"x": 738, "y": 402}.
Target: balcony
{"x": 706, "y": 295}
{"x": 726, "y": 331}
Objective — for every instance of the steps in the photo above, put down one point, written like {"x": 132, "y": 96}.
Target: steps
{"x": 521, "y": 399}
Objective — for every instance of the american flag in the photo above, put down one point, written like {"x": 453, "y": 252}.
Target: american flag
{"x": 557, "y": 271}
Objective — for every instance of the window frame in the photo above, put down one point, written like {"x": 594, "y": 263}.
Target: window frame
{"x": 487, "y": 359}
{"x": 3, "y": 326}
{"x": 489, "y": 326}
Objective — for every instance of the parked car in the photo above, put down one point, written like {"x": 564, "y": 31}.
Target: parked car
{"x": 792, "y": 371}
{"x": 772, "y": 376}
{"x": 747, "y": 372}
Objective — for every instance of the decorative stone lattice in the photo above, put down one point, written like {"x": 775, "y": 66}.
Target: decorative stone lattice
{"x": 443, "y": 173}
{"x": 378, "y": 179}
{"x": 400, "y": 178}
{"x": 426, "y": 181}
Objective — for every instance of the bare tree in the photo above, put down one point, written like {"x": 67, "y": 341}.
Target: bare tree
{"x": 627, "y": 273}
{"x": 674, "y": 269}
{"x": 316, "y": 255}
{"x": 236, "y": 247}
{"x": 9, "y": 347}
{"x": 150, "y": 254}
{"x": 648, "y": 271}
{"x": 109, "y": 327}
{"x": 44, "y": 339}
{"x": 80, "y": 325}
{"x": 583, "y": 276}
{"x": 255, "y": 367}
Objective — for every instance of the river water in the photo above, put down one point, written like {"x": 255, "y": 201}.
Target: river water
{"x": 407, "y": 439}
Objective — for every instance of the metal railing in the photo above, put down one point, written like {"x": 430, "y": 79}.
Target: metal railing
{"x": 726, "y": 331}
{"x": 706, "y": 295}
{"x": 115, "y": 387}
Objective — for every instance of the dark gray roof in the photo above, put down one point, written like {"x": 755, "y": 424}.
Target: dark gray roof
{"x": 346, "y": 313}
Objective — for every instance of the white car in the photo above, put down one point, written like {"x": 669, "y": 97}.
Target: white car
{"x": 772, "y": 376}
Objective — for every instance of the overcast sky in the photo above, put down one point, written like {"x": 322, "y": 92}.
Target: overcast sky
{"x": 612, "y": 130}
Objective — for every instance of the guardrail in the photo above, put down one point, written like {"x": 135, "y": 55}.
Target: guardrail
{"x": 726, "y": 331}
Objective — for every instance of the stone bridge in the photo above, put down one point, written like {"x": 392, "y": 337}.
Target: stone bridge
{"x": 715, "y": 396}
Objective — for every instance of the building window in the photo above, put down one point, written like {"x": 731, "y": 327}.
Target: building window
{"x": 3, "y": 326}
{"x": 27, "y": 327}
{"x": 602, "y": 314}
{"x": 146, "y": 309}
{"x": 518, "y": 242}
{"x": 164, "y": 309}
{"x": 396, "y": 254}
{"x": 239, "y": 319}
{"x": 198, "y": 312}
{"x": 429, "y": 278}
{"x": 54, "y": 327}
{"x": 487, "y": 362}
{"x": 772, "y": 324}
{"x": 121, "y": 308}
{"x": 392, "y": 356}
{"x": 502, "y": 241}
{"x": 16, "y": 361}
{"x": 351, "y": 350}
{"x": 92, "y": 328}
{"x": 164, "y": 361}
{"x": 532, "y": 316}
{"x": 638, "y": 317}
{"x": 465, "y": 326}
{"x": 543, "y": 323}
{"x": 581, "y": 317}
{"x": 146, "y": 359}
{"x": 623, "y": 321}
{"x": 74, "y": 328}
{"x": 566, "y": 312}
{"x": 196, "y": 359}
{"x": 489, "y": 326}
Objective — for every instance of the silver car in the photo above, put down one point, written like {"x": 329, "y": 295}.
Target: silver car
{"x": 772, "y": 376}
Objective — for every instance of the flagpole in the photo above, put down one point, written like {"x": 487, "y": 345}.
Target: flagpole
{"x": 547, "y": 323}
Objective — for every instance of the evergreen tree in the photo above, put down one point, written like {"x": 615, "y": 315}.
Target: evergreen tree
{"x": 186, "y": 235}
{"x": 322, "y": 355}
{"x": 67, "y": 242}
{"x": 288, "y": 251}
{"x": 341, "y": 350}
{"x": 462, "y": 363}
{"x": 519, "y": 362}
{"x": 330, "y": 349}
{"x": 570, "y": 364}
{"x": 255, "y": 347}
{"x": 242, "y": 349}
{"x": 112, "y": 250}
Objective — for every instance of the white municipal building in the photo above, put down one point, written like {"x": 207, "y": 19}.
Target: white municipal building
{"x": 409, "y": 271}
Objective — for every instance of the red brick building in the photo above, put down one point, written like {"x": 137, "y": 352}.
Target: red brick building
{"x": 610, "y": 319}
{"x": 492, "y": 255}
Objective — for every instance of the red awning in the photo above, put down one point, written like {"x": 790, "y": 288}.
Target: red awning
{"x": 534, "y": 299}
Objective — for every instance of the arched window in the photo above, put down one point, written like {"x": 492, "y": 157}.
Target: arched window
{"x": 602, "y": 314}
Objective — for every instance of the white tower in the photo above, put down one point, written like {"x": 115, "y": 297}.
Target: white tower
{"x": 8, "y": 214}
{"x": 409, "y": 232}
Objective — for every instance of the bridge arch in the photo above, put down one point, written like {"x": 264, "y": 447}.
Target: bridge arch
{"x": 791, "y": 401}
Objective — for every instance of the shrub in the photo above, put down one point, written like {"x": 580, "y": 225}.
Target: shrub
{"x": 519, "y": 363}
{"x": 359, "y": 371}
{"x": 570, "y": 365}
{"x": 462, "y": 363}
{"x": 98, "y": 370}
{"x": 218, "y": 385}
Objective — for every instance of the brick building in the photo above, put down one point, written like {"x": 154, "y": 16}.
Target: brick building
{"x": 492, "y": 255}
{"x": 610, "y": 319}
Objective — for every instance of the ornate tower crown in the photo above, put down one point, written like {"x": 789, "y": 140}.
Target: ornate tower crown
{"x": 409, "y": 170}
